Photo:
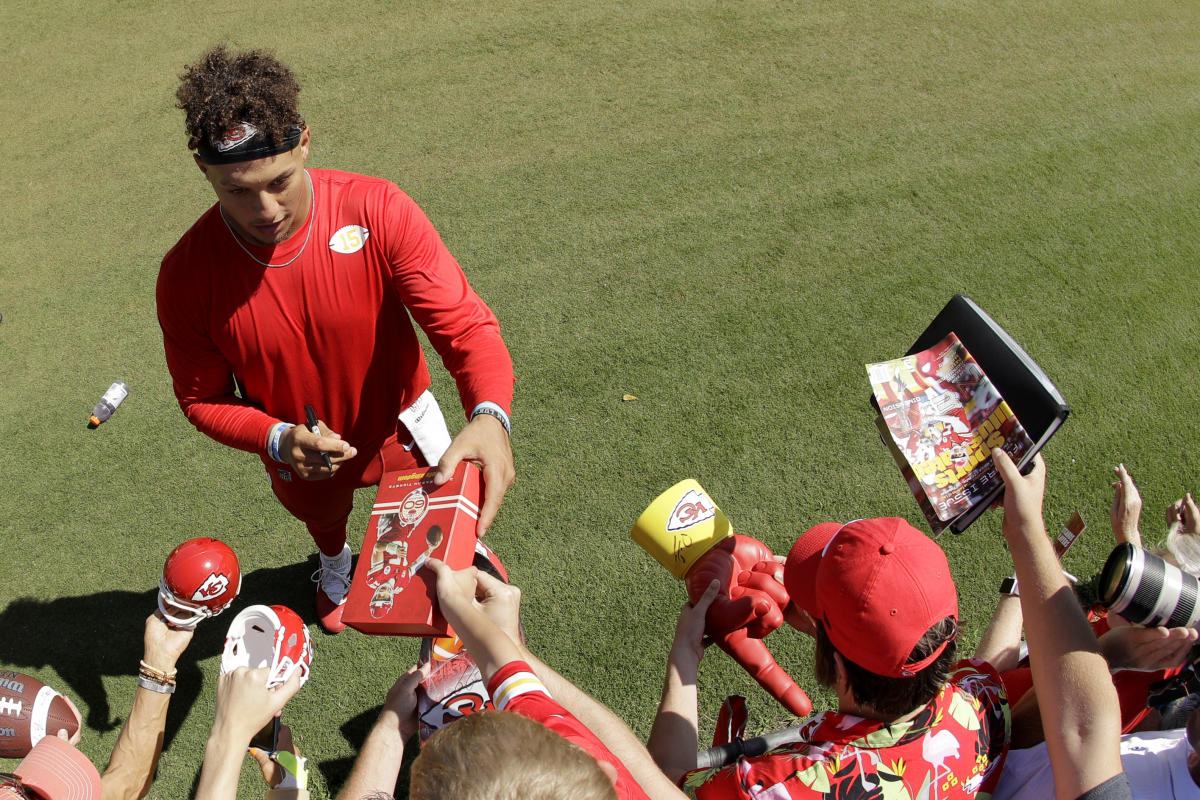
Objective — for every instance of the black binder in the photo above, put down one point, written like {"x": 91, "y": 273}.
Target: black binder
{"x": 1030, "y": 393}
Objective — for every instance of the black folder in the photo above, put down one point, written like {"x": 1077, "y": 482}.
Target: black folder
{"x": 1030, "y": 393}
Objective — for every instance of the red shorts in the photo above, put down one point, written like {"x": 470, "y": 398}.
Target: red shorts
{"x": 325, "y": 505}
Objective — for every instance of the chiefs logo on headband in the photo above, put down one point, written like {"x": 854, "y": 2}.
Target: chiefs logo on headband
{"x": 236, "y": 136}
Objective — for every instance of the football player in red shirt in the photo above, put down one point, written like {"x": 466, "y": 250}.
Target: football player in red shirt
{"x": 296, "y": 288}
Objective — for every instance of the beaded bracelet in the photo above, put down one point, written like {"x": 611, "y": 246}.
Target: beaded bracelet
{"x": 156, "y": 674}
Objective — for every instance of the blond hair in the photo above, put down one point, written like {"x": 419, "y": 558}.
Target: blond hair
{"x": 501, "y": 755}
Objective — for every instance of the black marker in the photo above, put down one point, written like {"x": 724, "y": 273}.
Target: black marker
{"x": 313, "y": 426}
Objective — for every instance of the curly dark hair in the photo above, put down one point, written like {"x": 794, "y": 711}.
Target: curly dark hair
{"x": 893, "y": 696}
{"x": 222, "y": 89}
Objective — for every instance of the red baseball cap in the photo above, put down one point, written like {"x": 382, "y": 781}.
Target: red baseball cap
{"x": 877, "y": 586}
{"x": 57, "y": 771}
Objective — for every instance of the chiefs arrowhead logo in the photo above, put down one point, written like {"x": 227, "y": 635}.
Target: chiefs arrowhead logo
{"x": 213, "y": 586}
{"x": 470, "y": 699}
{"x": 235, "y": 136}
{"x": 692, "y": 509}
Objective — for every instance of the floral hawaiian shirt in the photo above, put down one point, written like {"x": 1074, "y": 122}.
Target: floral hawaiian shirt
{"x": 953, "y": 748}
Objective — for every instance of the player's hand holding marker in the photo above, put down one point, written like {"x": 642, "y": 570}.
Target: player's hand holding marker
{"x": 306, "y": 452}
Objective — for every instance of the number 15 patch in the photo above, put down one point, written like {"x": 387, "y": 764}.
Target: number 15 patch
{"x": 348, "y": 239}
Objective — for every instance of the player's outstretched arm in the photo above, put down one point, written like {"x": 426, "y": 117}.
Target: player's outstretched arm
{"x": 135, "y": 756}
{"x": 485, "y": 441}
{"x": 378, "y": 763}
{"x": 1083, "y": 725}
{"x": 244, "y": 705}
{"x": 674, "y": 737}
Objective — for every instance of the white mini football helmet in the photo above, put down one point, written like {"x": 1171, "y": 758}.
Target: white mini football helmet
{"x": 268, "y": 636}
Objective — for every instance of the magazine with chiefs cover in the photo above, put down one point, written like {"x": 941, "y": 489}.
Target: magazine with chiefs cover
{"x": 412, "y": 521}
{"x": 454, "y": 686}
{"x": 942, "y": 416}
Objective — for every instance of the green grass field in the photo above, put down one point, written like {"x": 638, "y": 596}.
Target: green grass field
{"x": 725, "y": 209}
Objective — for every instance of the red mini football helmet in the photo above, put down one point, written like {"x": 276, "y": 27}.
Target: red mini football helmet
{"x": 268, "y": 636}
{"x": 200, "y": 579}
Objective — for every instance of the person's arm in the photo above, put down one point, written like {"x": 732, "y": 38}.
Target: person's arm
{"x": 674, "y": 736}
{"x": 1001, "y": 642}
{"x": 200, "y": 375}
{"x": 1083, "y": 725}
{"x": 461, "y": 327}
{"x": 458, "y": 593}
{"x": 466, "y": 334}
{"x": 135, "y": 756}
{"x": 378, "y": 763}
{"x": 205, "y": 389}
{"x": 244, "y": 705}
{"x": 485, "y": 613}
{"x": 610, "y": 729}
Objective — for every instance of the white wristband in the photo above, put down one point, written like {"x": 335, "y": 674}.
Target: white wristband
{"x": 273, "y": 440}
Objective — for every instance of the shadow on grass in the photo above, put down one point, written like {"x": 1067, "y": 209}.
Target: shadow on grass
{"x": 355, "y": 730}
{"x": 88, "y": 637}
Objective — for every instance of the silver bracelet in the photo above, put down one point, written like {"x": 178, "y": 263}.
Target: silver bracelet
{"x": 155, "y": 686}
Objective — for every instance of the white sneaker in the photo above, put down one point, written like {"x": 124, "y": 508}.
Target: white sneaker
{"x": 333, "y": 583}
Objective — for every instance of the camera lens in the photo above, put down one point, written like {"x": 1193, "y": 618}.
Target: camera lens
{"x": 1147, "y": 590}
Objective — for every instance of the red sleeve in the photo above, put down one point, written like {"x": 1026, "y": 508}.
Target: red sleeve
{"x": 200, "y": 375}
{"x": 514, "y": 687}
{"x": 460, "y": 326}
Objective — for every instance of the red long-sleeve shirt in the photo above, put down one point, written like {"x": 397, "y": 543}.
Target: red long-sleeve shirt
{"x": 330, "y": 328}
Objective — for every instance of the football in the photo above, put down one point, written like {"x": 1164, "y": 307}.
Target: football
{"x": 30, "y": 710}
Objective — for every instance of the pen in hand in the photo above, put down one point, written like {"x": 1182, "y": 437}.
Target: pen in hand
{"x": 311, "y": 417}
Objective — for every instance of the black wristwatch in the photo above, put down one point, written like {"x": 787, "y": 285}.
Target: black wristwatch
{"x": 1008, "y": 586}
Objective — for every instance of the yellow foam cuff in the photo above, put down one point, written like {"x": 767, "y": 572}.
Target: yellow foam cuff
{"x": 681, "y": 525}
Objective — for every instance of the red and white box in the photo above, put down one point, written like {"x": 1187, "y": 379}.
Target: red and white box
{"x": 412, "y": 521}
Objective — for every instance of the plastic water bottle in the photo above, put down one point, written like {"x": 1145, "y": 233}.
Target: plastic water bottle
{"x": 115, "y": 395}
